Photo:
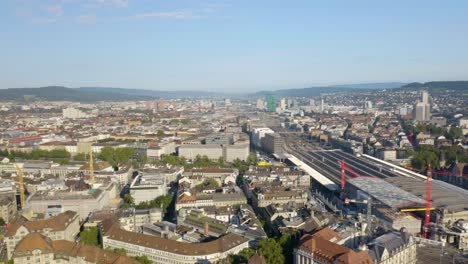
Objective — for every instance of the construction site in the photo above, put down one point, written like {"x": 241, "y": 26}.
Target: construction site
{"x": 396, "y": 196}
{"x": 80, "y": 192}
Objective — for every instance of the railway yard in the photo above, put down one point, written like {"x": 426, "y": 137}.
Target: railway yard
{"x": 392, "y": 185}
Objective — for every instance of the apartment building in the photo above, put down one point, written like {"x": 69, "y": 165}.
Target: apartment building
{"x": 162, "y": 251}
{"x": 39, "y": 249}
{"x": 277, "y": 195}
{"x": 64, "y": 226}
{"x": 322, "y": 248}
{"x": 393, "y": 248}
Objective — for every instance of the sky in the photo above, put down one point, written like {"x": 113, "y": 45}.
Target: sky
{"x": 230, "y": 45}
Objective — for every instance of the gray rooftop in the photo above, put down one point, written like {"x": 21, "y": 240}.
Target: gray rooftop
{"x": 385, "y": 192}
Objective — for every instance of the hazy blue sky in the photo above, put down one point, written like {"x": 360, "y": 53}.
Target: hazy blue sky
{"x": 230, "y": 45}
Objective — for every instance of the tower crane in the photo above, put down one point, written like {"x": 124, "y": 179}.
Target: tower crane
{"x": 427, "y": 208}
{"x": 427, "y": 217}
{"x": 91, "y": 167}
{"x": 19, "y": 171}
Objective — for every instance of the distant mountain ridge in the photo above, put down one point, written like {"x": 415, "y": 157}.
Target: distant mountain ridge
{"x": 318, "y": 90}
{"x": 382, "y": 85}
{"x": 441, "y": 85}
{"x": 60, "y": 93}
{"x": 95, "y": 94}
{"x": 152, "y": 93}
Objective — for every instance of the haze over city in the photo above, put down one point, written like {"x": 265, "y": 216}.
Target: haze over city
{"x": 233, "y": 132}
{"x": 230, "y": 46}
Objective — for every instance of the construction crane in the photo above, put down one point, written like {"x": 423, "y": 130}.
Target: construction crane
{"x": 416, "y": 209}
{"x": 427, "y": 218}
{"x": 367, "y": 201}
{"x": 91, "y": 167}
{"x": 19, "y": 171}
{"x": 345, "y": 168}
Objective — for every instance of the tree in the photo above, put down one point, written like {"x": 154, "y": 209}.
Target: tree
{"x": 271, "y": 250}
{"x": 120, "y": 251}
{"x": 288, "y": 242}
{"x": 421, "y": 159}
{"x": 79, "y": 157}
{"x": 116, "y": 156}
{"x": 123, "y": 155}
{"x": 143, "y": 260}
{"x": 160, "y": 133}
{"x": 107, "y": 154}
{"x": 2, "y": 222}
{"x": 242, "y": 257}
{"x": 454, "y": 132}
{"x": 252, "y": 159}
{"x": 90, "y": 236}
{"x": 208, "y": 182}
{"x": 163, "y": 202}
{"x": 128, "y": 201}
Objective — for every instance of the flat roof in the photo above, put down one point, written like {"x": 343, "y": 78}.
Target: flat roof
{"x": 385, "y": 192}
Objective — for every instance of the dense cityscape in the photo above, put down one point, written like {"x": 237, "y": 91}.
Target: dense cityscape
{"x": 369, "y": 176}
{"x": 233, "y": 132}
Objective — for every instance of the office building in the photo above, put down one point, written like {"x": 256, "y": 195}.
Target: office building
{"x": 423, "y": 109}
{"x": 73, "y": 113}
{"x": 146, "y": 187}
{"x": 271, "y": 103}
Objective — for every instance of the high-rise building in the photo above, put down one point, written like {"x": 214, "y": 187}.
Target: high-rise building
{"x": 271, "y": 103}
{"x": 283, "y": 104}
{"x": 425, "y": 97}
{"x": 422, "y": 110}
{"x": 260, "y": 104}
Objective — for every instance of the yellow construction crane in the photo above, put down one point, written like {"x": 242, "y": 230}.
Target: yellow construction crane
{"x": 19, "y": 171}
{"x": 91, "y": 167}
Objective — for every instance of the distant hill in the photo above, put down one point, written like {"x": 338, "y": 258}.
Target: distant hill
{"x": 435, "y": 86}
{"x": 59, "y": 93}
{"x": 368, "y": 86}
{"x": 317, "y": 91}
{"x": 152, "y": 93}
{"x": 302, "y": 92}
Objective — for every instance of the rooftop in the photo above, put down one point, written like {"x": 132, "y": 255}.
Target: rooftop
{"x": 222, "y": 244}
{"x": 385, "y": 192}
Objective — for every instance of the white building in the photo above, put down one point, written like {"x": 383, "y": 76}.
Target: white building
{"x": 133, "y": 219}
{"x": 73, "y": 113}
{"x": 146, "y": 187}
{"x": 83, "y": 202}
{"x": 258, "y": 134}
{"x": 161, "y": 250}
{"x": 423, "y": 108}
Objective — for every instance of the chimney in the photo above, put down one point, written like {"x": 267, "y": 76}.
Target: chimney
{"x": 312, "y": 244}
{"x": 206, "y": 229}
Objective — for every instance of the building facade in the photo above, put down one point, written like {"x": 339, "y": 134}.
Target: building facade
{"x": 38, "y": 249}
{"x": 162, "y": 251}
{"x": 64, "y": 226}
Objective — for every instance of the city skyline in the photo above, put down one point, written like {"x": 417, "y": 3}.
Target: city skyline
{"x": 229, "y": 46}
